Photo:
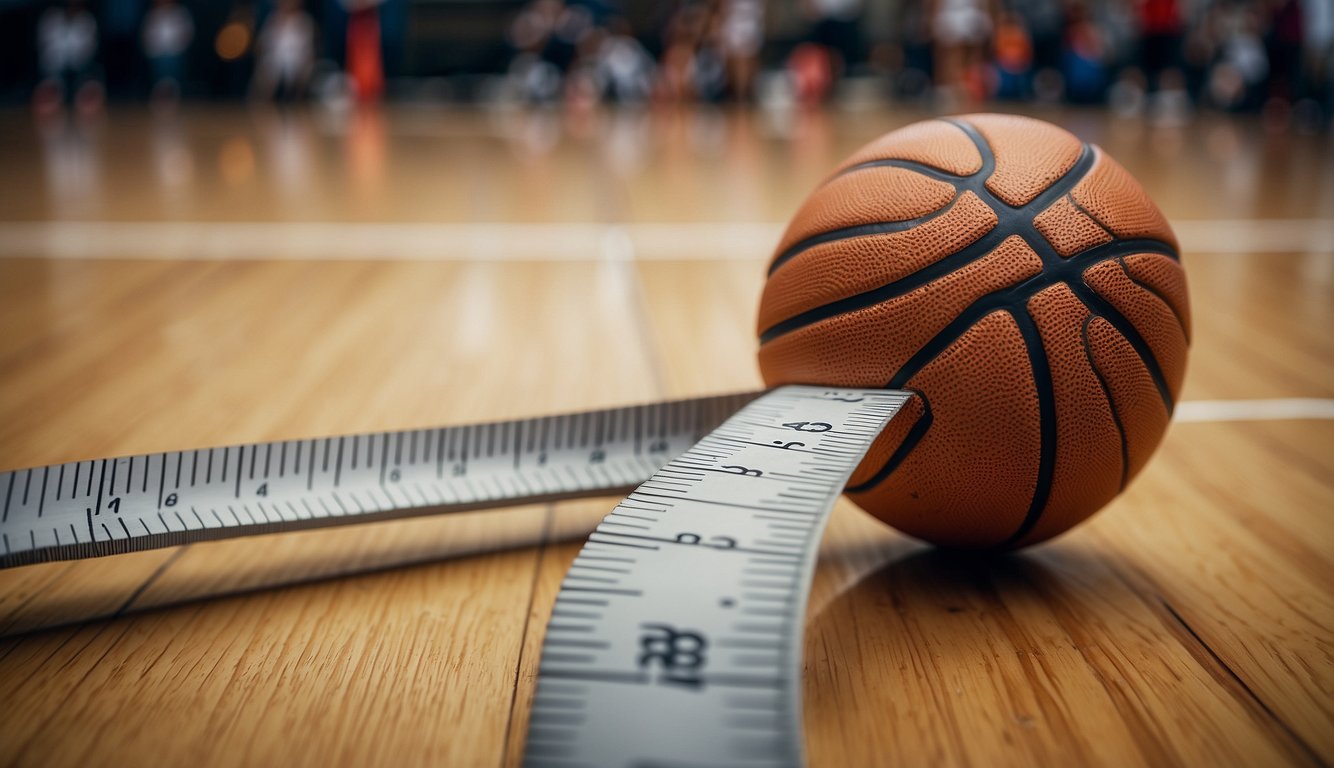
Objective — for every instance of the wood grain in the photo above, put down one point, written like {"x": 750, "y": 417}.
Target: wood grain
{"x": 1188, "y": 623}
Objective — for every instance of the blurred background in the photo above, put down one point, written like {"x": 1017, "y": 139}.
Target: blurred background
{"x": 1161, "y": 58}
{"x": 556, "y": 111}
{"x": 233, "y": 220}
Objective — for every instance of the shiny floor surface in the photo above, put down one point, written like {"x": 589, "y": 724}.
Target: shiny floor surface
{"x": 225, "y": 275}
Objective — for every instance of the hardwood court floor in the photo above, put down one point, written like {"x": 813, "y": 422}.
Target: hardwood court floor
{"x": 531, "y": 269}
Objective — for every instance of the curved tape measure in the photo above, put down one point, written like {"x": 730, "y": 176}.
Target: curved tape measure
{"x": 676, "y": 635}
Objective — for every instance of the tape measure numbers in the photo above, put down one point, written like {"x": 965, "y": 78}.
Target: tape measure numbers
{"x": 109, "y": 506}
{"x": 676, "y": 636}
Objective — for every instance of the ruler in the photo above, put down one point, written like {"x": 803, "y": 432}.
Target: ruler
{"x": 676, "y": 635}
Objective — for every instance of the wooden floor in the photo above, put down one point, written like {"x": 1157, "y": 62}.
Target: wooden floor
{"x": 1191, "y": 623}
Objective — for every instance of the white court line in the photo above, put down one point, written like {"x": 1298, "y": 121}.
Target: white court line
{"x": 655, "y": 241}
{"x": 1255, "y": 410}
{"x": 1255, "y": 235}
{"x": 337, "y": 241}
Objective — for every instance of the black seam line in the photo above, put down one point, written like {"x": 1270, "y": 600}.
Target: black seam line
{"x": 1071, "y": 197}
{"x": 1055, "y": 264}
{"x": 1111, "y": 402}
{"x": 1059, "y": 187}
{"x": 960, "y": 184}
{"x": 988, "y": 157}
{"x": 910, "y": 442}
{"x": 925, "y": 169}
{"x": 985, "y": 244}
{"x": 861, "y": 230}
{"x": 1013, "y": 301}
{"x": 1016, "y": 296}
{"x": 930, "y": 171}
{"x": 1181, "y": 322}
{"x": 1037, "y": 359}
{"x": 1011, "y": 221}
{"x": 1111, "y": 314}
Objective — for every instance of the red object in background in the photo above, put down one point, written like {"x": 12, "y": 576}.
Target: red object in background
{"x": 1160, "y": 17}
{"x": 811, "y": 71}
{"x": 1014, "y": 48}
{"x": 365, "y": 65}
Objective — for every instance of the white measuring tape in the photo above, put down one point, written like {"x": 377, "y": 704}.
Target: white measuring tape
{"x": 676, "y": 635}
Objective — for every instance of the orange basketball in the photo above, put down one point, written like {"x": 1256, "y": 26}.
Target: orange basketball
{"x": 1021, "y": 283}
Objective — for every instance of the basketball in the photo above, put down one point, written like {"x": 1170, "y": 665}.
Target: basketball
{"x": 1023, "y": 286}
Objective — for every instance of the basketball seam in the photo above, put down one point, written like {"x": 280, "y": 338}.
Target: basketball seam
{"x": 1062, "y": 272}
{"x": 960, "y": 184}
{"x": 1057, "y": 270}
{"x": 1041, "y": 371}
{"x": 926, "y": 169}
{"x": 1105, "y": 309}
{"x": 1046, "y": 392}
{"x": 1060, "y": 187}
{"x": 861, "y": 230}
{"x": 929, "y": 171}
{"x": 1070, "y": 196}
{"x": 985, "y": 243}
{"x": 1181, "y": 322}
{"x": 910, "y": 442}
{"x": 975, "y": 183}
{"x": 1111, "y": 402}
{"x": 1052, "y": 260}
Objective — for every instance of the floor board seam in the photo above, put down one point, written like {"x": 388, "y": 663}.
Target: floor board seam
{"x": 547, "y": 521}
{"x": 152, "y": 579}
{"x": 1250, "y": 695}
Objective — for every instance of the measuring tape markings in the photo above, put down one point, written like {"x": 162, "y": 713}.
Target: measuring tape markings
{"x": 675, "y": 638}
{"x": 687, "y": 601}
{"x": 109, "y": 506}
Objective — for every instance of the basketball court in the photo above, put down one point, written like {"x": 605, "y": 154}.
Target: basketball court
{"x": 224, "y": 274}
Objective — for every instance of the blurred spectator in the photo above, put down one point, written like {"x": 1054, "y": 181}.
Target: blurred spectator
{"x": 623, "y": 67}
{"x": 914, "y": 79}
{"x": 837, "y": 27}
{"x": 1283, "y": 45}
{"x": 810, "y": 69}
{"x": 120, "y": 33}
{"x": 692, "y": 66}
{"x": 741, "y": 35}
{"x": 573, "y": 22}
{"x": 285, "y": 53}
{"x": 365, "y": 63}
{"x": 532, "y": 27}
{"x": 67, "y": 48}
{"x": 1014, "y": 57}
{"x": 1083, "y": 62}
{"x": 167, "y": 32}
{"x": 536, "y": 79}
{"x": 1139, "y": 56}
{"x": 1240, "y": 68}
{"x": 1318, "y": 72}
{"x": 1161, "y": 32}
{"x": 962, "y": 29}
{"x": 1044, "y": 22}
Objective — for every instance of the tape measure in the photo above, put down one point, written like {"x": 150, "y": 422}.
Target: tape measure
{"x": 676, "y": 635}
{"x": 109, "y": 506}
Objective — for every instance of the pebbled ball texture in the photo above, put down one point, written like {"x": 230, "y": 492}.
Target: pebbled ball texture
{"x": 1023, "y": 286}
